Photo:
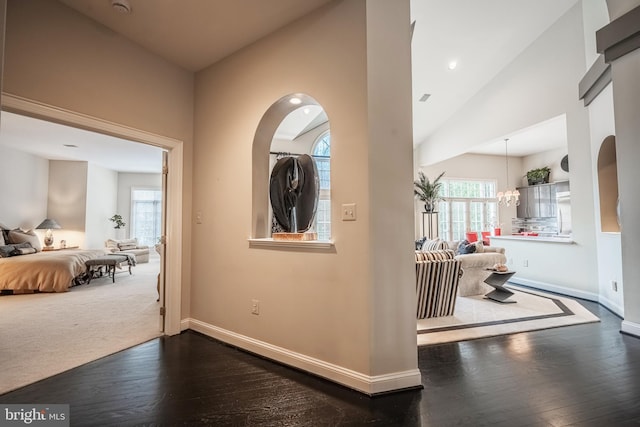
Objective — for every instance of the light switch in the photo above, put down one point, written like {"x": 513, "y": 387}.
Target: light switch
{"x": 349, "y": 212}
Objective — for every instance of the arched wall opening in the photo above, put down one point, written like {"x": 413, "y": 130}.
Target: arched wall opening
{"x": 263, "y": 154}
{"x": 608, "y": 185}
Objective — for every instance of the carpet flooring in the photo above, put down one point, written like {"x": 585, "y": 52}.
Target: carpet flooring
{"x": 48, "y": 333}
{"x": 477, "y": 317}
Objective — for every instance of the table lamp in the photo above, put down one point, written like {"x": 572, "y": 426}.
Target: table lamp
{"x": 48, "y": 224}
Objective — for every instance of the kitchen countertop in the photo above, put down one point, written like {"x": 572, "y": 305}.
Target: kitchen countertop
{"x": 548, "y": 239}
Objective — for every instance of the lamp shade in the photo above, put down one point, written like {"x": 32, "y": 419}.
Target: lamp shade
{"x": 49, "y": 224}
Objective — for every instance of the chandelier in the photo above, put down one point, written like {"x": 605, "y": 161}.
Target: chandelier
{"x": 508, "y": 197}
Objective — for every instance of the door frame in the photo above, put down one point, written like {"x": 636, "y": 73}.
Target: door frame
{"x": 174, "y": 147}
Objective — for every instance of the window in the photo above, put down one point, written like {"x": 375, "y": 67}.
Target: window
{"x": 146, "y": 215}
{"x": 321, "y": 153}
{"x": 470, "y": 205}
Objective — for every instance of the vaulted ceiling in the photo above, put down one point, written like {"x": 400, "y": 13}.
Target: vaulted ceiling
{"x": 482, "y": 37}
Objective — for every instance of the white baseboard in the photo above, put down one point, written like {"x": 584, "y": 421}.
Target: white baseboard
{"x": 184, "y": 325}
{"x": 589, "y": 296}
{"x": 630, "y": 328}
{"x": 612, "y": 306}
{"x": 367, "y": 384}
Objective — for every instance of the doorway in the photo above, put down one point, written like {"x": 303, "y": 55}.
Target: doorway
{"x": 172, "y": 261}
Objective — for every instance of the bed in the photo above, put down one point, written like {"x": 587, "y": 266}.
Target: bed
{"x": 48, "y": 271}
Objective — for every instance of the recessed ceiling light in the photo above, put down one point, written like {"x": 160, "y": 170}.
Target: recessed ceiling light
{"x": 70, "y": 145}
{"x": 307, "y": 110}
{"x": 295, "y": 100}
{"x": 121, "y": 6}
{"x": 453, "y": 65}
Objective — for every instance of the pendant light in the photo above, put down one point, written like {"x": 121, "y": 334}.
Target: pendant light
{"x": 508, "y": 197}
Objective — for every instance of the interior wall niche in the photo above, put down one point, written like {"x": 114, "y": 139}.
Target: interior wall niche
{"x": 290, "y": 126}
{"x": 608, "y": 185}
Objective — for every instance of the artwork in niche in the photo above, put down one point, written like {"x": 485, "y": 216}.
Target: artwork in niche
{"x": 294, "y": 190}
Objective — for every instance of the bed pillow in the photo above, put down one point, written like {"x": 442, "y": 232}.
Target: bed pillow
{"x": 4, "y": 230}
{"x": 19, "y": 236}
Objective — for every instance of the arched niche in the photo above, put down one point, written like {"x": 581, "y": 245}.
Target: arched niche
{"x": 608, "y": 185}
{"x": 262, "y": 161}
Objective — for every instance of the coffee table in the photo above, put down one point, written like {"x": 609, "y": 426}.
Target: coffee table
{"x": 497, "y": 279}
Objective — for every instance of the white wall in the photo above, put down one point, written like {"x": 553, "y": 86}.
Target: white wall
{"x": 101, "y": 202}
{"x": 608, "y": 244}
{"x": 24, "y": 180}
{"x": 538, "y": 85}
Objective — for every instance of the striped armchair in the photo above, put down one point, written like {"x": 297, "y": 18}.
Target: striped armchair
{"x": 437, "y": 277}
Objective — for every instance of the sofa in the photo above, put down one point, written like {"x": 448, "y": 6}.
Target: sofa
{"x": 128, "y": 246}
{"x": 437, "y": 277}
{"x": 474, "y": 265}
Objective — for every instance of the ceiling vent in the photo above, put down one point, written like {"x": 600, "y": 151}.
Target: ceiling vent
{"x": 424, "y": 97}
{"x": 121, "y": 6}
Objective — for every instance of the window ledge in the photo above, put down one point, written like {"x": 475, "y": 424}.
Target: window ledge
{"x": 310, "y": 245}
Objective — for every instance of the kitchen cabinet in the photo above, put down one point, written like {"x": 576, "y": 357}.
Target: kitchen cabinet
{"x": 537, "y": 201}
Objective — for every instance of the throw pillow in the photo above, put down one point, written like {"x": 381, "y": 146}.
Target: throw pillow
{"x": 479, "y": 247}
{"x": 2, "y": 242}
{"x": 19, "y": 236}
{"x": 6, "y": 250}
{"x": 434, "y": 245}
{"x": 126, "y": 246}
{"x": 466, "y": 248}
{"x": 419, "y": 243}
{"x": 23, "y": 249}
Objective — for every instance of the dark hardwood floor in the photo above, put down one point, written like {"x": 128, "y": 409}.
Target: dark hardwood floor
{"x": 584, "y": 375}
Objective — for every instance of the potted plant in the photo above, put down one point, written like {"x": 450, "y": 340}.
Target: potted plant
{"x": 427, "y": 191}
{"x": 538, "y": 176}
{"x": 117, "y": 219}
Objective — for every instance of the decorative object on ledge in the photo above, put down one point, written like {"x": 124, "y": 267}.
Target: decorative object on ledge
{"x": 309, "y": 235}
{"x": 508, "y": 197}
{"x": 564, "y": 163}
{"x": 427, "y": 191}
{"x": 539, "y": 175}
{"x": 294, "y": 190}
{"x": 48, "y": 224}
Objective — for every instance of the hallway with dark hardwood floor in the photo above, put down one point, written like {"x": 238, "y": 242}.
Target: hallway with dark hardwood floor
{"x": 584, "y": 375}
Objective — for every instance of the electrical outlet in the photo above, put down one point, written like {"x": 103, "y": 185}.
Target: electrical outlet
{"x": 198, "y": 217}
{"x": 525, "y": 263}
{"x": 255, "y": 307}
{"x": 614, "y": 285}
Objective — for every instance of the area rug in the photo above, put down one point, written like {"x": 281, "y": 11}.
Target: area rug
{"x": 478, "y": 317}
{"x": 44, "y": 334}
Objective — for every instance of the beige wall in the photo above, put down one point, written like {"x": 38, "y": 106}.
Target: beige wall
{"x": 102, "y": 188}
{"x": 24, "y": 180}
{"x": 67, "y": 201}
{"x": 336, "y": 307}
{"x": 56, "y": 56}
